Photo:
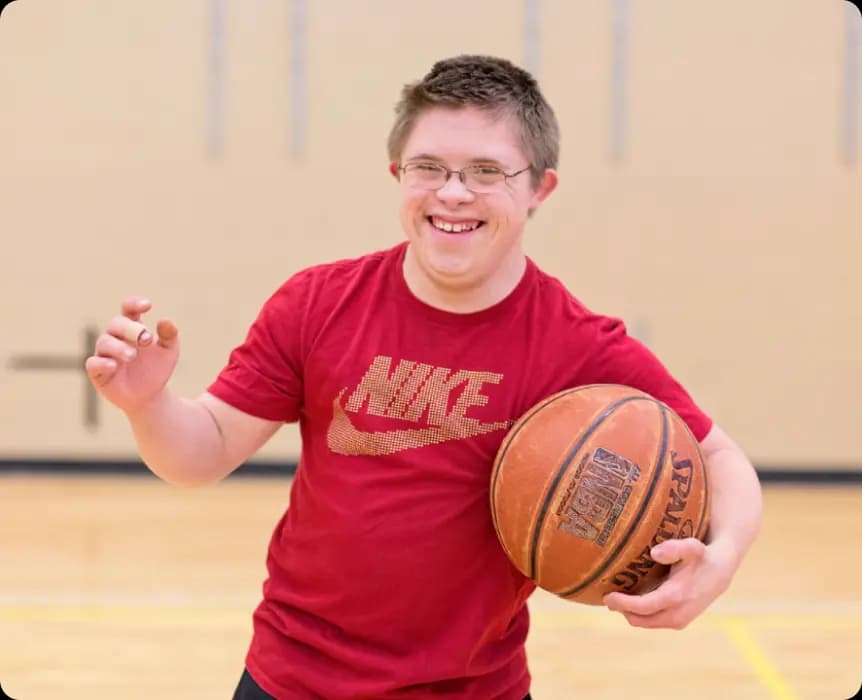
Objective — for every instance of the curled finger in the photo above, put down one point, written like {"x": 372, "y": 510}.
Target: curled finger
{"x": 136, "y": 333}
{"x": 132, "y": 307}
{"x": 100, "y": 370}
{"x": 110, "y": 346}
{"x": 132, "y": 332}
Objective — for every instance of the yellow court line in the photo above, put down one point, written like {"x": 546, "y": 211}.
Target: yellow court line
{"x": 750, "y": 650}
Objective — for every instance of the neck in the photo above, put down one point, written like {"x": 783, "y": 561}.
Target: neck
{"x": 467, "y": 297}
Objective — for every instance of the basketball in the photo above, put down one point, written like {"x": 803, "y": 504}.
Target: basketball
{"x": 587, "y": 481}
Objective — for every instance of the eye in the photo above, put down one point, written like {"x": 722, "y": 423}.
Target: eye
{"x": 424, "y": 167}
{"x": 487, "y": 170}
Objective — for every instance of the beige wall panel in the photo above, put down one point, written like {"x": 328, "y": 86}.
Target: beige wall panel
{"x": 95, "y": 86}
{"x": 763, "y": 212}
{"x": 728, "y": 237}
{"x": 206, "y": 238}
{"x": 573, "y": 235}
{"x": 718, "y": 84}
{"x": 115, "y": 195}
{"x": 724, "y": 237}
{"x": 360, "y": 56}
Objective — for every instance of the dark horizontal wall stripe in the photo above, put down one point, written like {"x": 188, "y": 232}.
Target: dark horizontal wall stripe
{"x": 810, "y": 476}
{"x": 127, "y": 467}
{"x": 768, "y": 474}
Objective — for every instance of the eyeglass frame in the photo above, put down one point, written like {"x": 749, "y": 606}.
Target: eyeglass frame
{"x": 461, "y": 177}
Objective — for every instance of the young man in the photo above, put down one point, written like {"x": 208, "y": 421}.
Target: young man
{"x": 404, "y": 369}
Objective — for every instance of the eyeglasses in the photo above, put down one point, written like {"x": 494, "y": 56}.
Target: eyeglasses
{"x": 480, "y": 179}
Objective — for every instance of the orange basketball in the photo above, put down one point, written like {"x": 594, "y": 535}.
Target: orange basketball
{"x": 587, "y": 481}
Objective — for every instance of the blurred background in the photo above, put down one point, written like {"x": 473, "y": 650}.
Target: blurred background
{"x": 201, "y": 152}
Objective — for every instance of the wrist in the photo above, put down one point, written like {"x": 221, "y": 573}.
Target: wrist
{"x": 149, "y": 407}
{"x": 727, "y": 550}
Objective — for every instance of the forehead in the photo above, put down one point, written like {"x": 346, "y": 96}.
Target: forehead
{"x": 465, "y": 134}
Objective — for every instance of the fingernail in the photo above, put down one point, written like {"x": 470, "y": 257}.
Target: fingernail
{"x": 145, "y": 338}
{"x": 143, "y": 302}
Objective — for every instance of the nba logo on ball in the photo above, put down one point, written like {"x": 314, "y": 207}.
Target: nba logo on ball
{"x": 588, "y": 481}
{"x": 596, "y": 495}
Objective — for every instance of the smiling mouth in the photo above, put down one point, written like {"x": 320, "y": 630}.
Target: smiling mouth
{"x": 454, "y": 227}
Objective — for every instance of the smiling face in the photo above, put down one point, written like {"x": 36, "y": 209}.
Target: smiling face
{"x": 465, "y": 249}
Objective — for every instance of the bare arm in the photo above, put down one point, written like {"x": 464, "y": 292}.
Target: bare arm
{"x": 183, "y": 441}
{"x": 189, "y": 442}
{"x": 736, "y": 498}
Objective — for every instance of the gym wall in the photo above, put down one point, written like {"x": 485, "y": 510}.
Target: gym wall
{"x": 710, "y": 192}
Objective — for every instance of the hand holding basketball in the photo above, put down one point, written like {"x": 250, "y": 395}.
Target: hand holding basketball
{"x": 699, "y": 574}
{"x": 129, "y": 366}
{"x": 588, "y": 482}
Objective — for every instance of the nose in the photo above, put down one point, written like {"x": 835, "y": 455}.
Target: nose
{"x": 454, "y": 190}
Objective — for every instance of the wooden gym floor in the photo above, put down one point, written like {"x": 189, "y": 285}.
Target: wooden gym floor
{"x": 125, "y": 587}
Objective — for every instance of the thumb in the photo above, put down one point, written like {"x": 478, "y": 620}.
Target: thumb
{"x": 673, "y": 551}
{"x": 167, "y": 333}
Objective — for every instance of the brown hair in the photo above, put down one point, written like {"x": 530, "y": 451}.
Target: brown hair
{"x": 489, "y": 83}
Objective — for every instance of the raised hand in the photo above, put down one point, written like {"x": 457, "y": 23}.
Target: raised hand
{"x": 129, "y": 365}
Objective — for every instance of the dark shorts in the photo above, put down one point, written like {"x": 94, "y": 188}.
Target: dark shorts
{"x": 249, "y": 690}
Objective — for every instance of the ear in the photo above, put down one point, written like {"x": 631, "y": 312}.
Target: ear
{"x": 547, "y": 184}
{"x": 393, "y": 169}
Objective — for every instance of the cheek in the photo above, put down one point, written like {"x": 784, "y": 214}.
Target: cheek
{"x": 412, "y": 203}
{"x": 508, "y": 210}
{"x": 520, "y": 207}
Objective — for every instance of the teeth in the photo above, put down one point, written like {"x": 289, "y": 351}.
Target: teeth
{"x": 452, "y": 228}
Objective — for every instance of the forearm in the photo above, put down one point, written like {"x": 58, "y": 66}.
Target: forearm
{"x": 736, "y": 502}
{"x": 180, "y": 441}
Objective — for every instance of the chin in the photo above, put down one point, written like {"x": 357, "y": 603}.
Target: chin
{"x": 451, "y": 268}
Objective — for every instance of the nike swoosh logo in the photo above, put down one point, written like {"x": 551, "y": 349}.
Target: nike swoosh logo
{"x": 346, "y": 439}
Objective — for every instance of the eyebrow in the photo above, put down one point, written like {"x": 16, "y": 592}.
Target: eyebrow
{"x": 472, "y": 161}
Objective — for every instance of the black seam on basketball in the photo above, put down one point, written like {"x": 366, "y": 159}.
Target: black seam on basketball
{"x": 701, "y": 533}
{"x": 643, "y": 507}
{"x": 703, "y": 525}
{"x": 552, "y": 491}
{"x": 702, "y": 522}
{"x": 522, "y": 421}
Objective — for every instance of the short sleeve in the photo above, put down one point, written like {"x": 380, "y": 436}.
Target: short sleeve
{"x": 263, "y": 375}
{"x": 617, "y": 358}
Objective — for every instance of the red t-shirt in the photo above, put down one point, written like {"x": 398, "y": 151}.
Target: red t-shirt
{"x": 386, "y": 579}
